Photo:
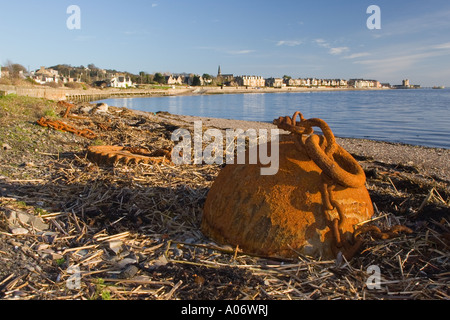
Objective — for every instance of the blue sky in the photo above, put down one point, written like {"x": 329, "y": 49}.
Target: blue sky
{"x": 323, "y": 39}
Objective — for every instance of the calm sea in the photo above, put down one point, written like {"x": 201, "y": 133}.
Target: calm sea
{"x": 418, "y": 117}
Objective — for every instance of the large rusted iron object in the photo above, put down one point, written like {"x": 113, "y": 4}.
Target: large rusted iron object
{"x": 61, "y": 126}
{"x": 68, "y": 107}
{"x": 111, "y": 155}
{"x": 312, "y": 206}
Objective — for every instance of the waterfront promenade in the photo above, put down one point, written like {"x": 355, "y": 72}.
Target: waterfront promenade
{"x": 99, "y": 94}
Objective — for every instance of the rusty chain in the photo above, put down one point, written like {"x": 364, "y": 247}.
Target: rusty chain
{"x": 68, "y": 106}
{"x": 324, "y": 151}
{"x": 61, "y": 126}
{"x": 162, "y": 152}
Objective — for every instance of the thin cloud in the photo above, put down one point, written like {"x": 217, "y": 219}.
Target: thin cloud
{"x": 225, "y": 50}
{"x": 442, "y": 46}
{"x": 437, "y": 20}
{"x": 332, "y": 50}
{"x": 240, "y": 51}
{"x": 154, "y": 5}
{"x": 398, "y": 63}
{"x": 322, "y": 43}
{"x": 289, "y": 43}
{"x": 398, "y": 60}
{"x": 357, "y": 55}
{"x": 338, "y": 50}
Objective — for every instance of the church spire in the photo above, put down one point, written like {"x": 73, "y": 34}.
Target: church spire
{"x": 219, "y": 73}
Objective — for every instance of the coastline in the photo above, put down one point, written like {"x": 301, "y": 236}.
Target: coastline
{"x": 431, "y": 162}
{"x": 93, "y": 94}
{"x": 244, "y": 90}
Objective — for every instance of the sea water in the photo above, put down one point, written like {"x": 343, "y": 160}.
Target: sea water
{"x": 412, "y": 116}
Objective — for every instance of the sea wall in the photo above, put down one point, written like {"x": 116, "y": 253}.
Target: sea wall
{"x": 47, "y": 93}
{"x": 75, "y": 95}
{"x": 80, "y": 95}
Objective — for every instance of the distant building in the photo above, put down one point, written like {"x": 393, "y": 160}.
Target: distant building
{"x": 275, "y": 82}
{"x": 293, "y": 82}
{"x": 343, "y": 83}
{"x": 314, "y": 82}
{"x": 189, "y": 79}
{"x": 43, "y": 76}
{"x": 224, "y": 78}
{"x": 4, "y": 73}
{"x": 172, "y": 80}
{"x": 251, "y": 81}
{"x": 406, "y": 85}
{"x": 362, "y": 83}
{"x": 121, "y": 82}
{"x": 305, "y": 82}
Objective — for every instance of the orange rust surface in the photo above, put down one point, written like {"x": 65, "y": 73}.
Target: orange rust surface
{"x": 110, "y": 155}
{"x": 68, "y": 107}
{"x": 59, "y": 125}
{"x": 283, "y": 213}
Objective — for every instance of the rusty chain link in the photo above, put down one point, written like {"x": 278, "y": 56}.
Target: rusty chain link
{"x": 338, "y": 168}
{"x": 61, "y": 126}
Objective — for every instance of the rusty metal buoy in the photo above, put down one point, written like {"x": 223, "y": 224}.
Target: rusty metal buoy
{"x": 312, "y": 206}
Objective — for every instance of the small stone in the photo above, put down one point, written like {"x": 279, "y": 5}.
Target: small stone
{"x": 6, "y": 147}
{"x": 19, "y": 231}
{"x": 189, "y": 240}
{"x": 32, "y": 220}
{"x": 23, "y": 217}
{"x": 30, "y": 268}
{"x": 161, "y": 261}
{"x": 42, "y": 247}
{"x": 115, "y": 246}
{"x": 125, "y": 262}
{"x": 56, "y": 256}
{"x": 11, "y": 216}
{"x": 101, "y": 108}
{"x": 129, "y": 272}
{"x": 86, "y": 109}
{"x": 177, "y": 252}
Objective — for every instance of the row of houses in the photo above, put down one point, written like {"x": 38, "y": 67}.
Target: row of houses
{"x": 258, "y": 81}
{"x": 45, "y": 76}
{"x": 186, "y": 79}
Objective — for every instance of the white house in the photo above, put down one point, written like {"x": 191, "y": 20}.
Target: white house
{"x": 43, "y": 76}
{"x": 174, "y": 80}
{"x": 121, "y": 82}
{"x": 251, "y": 81}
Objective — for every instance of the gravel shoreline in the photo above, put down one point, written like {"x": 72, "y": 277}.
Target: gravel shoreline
{"x": 432, "y": 162}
